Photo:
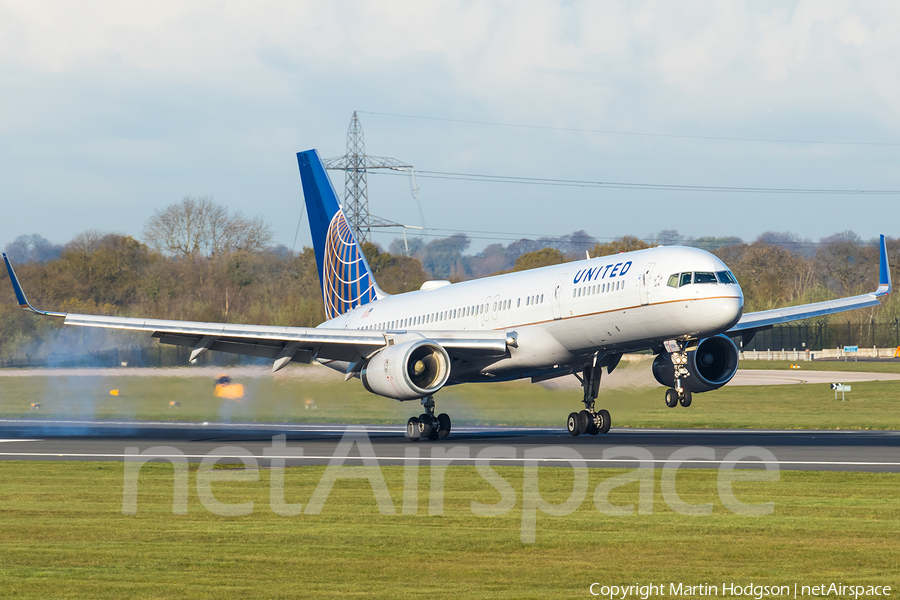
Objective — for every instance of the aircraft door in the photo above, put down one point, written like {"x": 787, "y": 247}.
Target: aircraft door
{"x": 486, "y": 313}
{"x": 556, "y": 297}
{"x": 495, "y": 307}
{"x": 644, "y": 286}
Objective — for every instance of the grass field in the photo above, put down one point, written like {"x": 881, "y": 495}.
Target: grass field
{"x": 870, "y": 366}
{"x": 63, "y": 535}
{"x": 871, "y": 405}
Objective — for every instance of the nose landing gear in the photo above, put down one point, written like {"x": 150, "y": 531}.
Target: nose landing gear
{"x": 678, "y": 395}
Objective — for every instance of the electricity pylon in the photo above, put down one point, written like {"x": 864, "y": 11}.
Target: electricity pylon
{"x": 356, "y": 196}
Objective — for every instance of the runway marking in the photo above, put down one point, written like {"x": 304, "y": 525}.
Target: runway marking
{"x": 821, "y": 463}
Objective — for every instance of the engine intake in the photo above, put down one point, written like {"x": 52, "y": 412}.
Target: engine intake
{"x": 407, "y": 371}
{"x": 712, "y": 363}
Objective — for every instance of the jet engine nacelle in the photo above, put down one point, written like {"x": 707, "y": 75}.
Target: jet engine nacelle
{"x": 711, "y": 364}
{"x": 407, "y": 371}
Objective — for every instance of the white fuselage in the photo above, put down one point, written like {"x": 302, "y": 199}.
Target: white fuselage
{"x": 563, "y": 313}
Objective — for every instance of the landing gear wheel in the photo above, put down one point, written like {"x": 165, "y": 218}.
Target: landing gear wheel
{"x": 585, "y": 420}
{"x": 686, "y": 401}
{"x": 443, "y": 425}
{"x": 671, "y": 398}
{"x": 412, "y": 429}
{"x": 605, "y": 421}
{"x": 593, "y": 429}
{"x": 572, "y": 424}
{"x": 425, "y": 427}
{"x": 433, "y": 435}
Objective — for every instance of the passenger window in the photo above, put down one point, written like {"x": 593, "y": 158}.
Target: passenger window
{"x": 673, "y": 280}
{"x": 701, "y": 277}
{"x": 685, "y": 279}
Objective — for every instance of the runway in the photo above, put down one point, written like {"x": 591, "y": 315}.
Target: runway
{"x": 309, "y": 444}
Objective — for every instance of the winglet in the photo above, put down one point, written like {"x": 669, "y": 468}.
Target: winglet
{"x": 20, "y": 295}
{"x": 884, "y": 272}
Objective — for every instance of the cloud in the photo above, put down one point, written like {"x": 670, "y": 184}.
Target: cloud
{"x": 113, "y": 108}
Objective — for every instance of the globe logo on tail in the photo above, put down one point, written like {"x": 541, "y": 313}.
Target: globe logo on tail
{"x": 346, "y": 282}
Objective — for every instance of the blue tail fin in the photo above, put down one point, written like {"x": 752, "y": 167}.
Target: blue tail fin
{"x": 344, "y": 276}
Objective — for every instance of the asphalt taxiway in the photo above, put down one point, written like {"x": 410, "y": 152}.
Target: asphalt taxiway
{"x": 39, "y": 439}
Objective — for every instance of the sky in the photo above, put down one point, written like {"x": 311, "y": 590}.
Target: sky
{"x": 112, "y": 110}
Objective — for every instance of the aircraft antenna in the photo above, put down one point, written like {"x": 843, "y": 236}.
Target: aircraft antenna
{"x": 355, "y": 164}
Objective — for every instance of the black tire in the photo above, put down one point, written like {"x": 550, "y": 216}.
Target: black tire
{"x": 425, "y": 427}
{"x": 686, "y": 401}
{"x": 443, "y": 425}
{"x": 433, "y": 435}
{"x": 671, "y": 398}
{"x": 572, "y": 423}
{"x": 605, "y": 421}
{"x": 585, "y": 421}
{"x": 412, "y": 429}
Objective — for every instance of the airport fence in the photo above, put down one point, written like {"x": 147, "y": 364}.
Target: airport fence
{"x": 820, "y": 336}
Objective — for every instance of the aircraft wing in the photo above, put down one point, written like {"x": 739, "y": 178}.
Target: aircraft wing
{"x": 751, "y": 322}
{"x": 283, "y": 344}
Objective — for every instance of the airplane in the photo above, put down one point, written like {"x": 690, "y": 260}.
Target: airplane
{"x": 683, "y": 304}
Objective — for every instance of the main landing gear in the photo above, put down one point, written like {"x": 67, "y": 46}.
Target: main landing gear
{"x": 427, "y": 425}
{"x": 588, "y": 420}
{"x": 679, "y": 395}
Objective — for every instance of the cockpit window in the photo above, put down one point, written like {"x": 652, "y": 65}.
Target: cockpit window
{"x": 673, "y": 280}
{"x": 685, "y": 279}
{"x": 725, "y": 277}
{"x": 703, "y": 277}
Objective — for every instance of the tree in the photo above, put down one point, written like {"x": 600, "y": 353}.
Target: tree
{"x": 395, "y": 274}
{"x": 789, "y": 241}
{"x": 32, "y": 248}
{"x": 710, "y": 243}
{"x": 443, "y": 257}
{"x": 845, "y": 264}
{"x": 669, "y": 237}
{"x": 770, "y": 276}
{"x": 399, "y": 246}
{"x": 200, "y": 227}
{"x": 105, "y": 269}
{"x": 539, "y": 258}
{"x": 626, "y": 243}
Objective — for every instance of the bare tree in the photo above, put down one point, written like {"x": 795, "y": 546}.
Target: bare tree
{"x": 200, "y": 227}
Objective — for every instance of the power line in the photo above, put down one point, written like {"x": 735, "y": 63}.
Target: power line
{"x": 636, "y": 133}
{"x": 668, "y": 187}
{"x": 475, "y": 234}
